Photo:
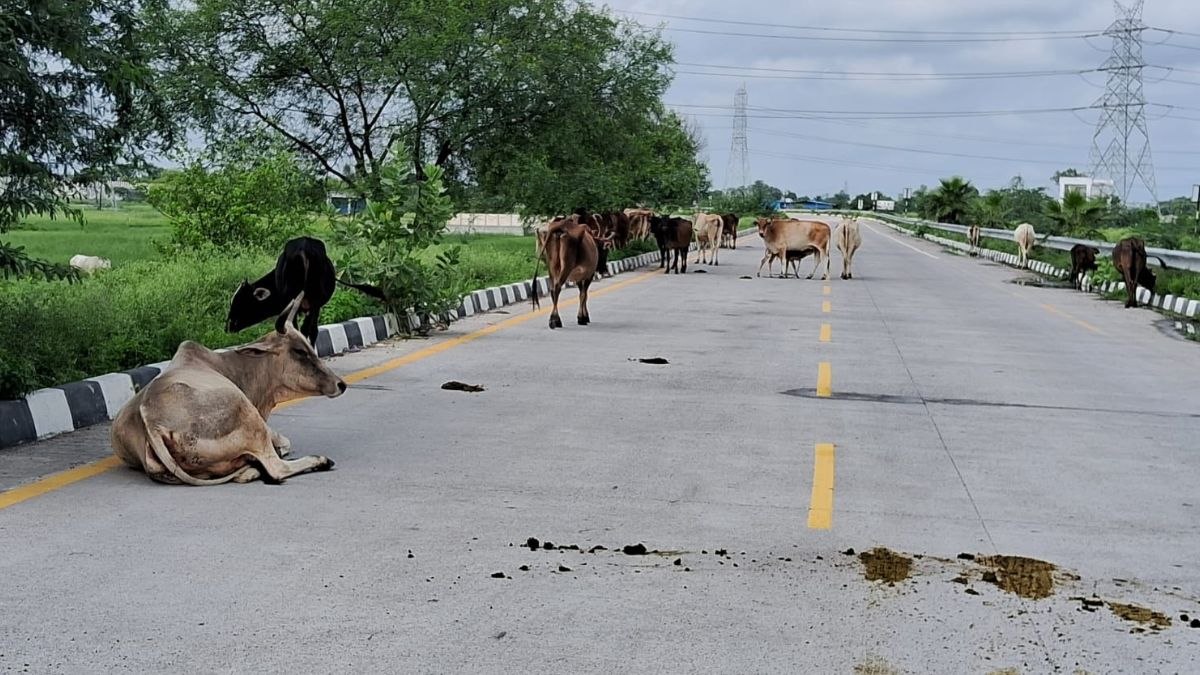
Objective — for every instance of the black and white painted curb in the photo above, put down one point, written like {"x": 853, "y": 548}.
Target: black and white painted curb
{"x": 1182, "y": 306}
{"x": 69, "y": 407}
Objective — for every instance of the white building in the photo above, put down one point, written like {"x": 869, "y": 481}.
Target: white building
{"x": 1088, "y": 186}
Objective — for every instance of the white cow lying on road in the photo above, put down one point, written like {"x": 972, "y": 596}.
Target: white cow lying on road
{"x": 203, "y": 421}
{"x": 90, "y": 263}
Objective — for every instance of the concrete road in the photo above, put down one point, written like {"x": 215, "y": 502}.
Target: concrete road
{"x": 1048, "y": 435}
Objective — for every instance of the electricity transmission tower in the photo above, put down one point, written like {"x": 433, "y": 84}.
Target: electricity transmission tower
{"x": 737, "y": 174}
{"x": 1121, "y": 143}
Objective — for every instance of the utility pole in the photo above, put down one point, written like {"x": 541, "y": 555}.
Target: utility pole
{"x": 737, "y": 174}
{"x": 1121, "y": 143}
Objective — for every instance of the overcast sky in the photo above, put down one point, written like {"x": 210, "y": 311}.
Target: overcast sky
{"x": 812, "y": 156}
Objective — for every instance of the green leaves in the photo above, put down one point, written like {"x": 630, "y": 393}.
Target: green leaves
{"x": 950, "y": 201}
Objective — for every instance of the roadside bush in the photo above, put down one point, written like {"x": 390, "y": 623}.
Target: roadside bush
{"x": 127, "y": 317}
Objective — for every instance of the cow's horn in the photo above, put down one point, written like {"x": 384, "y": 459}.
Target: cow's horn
{"x": 289, "y": 314}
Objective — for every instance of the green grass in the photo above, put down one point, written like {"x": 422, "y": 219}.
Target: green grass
{"x": 123, "y": 236}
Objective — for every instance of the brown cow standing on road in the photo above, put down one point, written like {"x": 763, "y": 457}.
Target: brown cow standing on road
{"x": 785, "y": 234}
{"x": 672, "y": 235}
{"x": 572, "y": 255}
{"x": 203, "y": 421}
{"x": 1129, "y": 257}
{"x": 1083, "y": 260}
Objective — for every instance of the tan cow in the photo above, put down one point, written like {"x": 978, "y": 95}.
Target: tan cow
{"x": 203, "y": 421}
{"x": 1025, "y": 238}
{"x": 572, "y": 254}
{"x": 848, "y": 239}
{"x": 708, "y": 228}
{"x": 973, "y": 240}
{"x": 639, "y": 222}
{"x": 785, "y": 234}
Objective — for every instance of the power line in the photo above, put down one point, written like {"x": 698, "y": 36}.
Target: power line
{"x": 752, "y": 71}
{"x": 880, "y": 146}
{"x": 780, "y": 113}
{"x": 889, "y": 31}
{"x": 826, "y": 38}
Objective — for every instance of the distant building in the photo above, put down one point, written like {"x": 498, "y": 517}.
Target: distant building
{"x": 347, "y": 203}
{"x": 814, "y": 205}
{"x": 1086, "y": 185}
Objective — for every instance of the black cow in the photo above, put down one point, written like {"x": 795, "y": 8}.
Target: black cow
{"x": 672, "y": 234}
{"x": 304, "y": 266}
{"x": 1083, "y": 260}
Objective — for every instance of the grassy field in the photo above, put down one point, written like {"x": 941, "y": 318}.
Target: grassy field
{"x": 123, "y": 236}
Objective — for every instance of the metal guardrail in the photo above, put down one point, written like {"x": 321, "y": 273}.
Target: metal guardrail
{"x": 1181, "y": 260}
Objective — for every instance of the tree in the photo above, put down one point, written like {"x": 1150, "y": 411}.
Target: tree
{"x": 1066, "y": 173}
{"x": 75, "y": 96}
{"x": 1026, "y": 205}
{"x": 452, "y": 83}
{"x": 951, "y": 200}
{"x": 1077, "y": 216}
{"x": 990, "y": 210}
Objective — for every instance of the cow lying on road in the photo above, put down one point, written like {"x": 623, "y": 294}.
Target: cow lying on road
{"x": 785, "y": 234}
{"x": 1129, "y": 257}
{"x": 204, "y": 420}
{"x": 303, "y": 269}
{"x": 672, "y": 235}
{"x": 1083, "y": 260}
{"x": 571, "y": 254}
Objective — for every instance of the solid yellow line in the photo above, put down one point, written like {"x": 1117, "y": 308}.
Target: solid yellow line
{"x": 1079, "y": 322}
{"x": 65, "y": 478}
{"x": 826, "y": 332}
{"x": 56, "y": 480}
{"x": 820, "y": 504}
{"x": 826, "y": 307}
{"x": 827, "y": 290}
{"x": 824, "y": 380}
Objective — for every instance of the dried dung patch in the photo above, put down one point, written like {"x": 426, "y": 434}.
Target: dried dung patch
{"x": 873, "y": 665}
{"x": 882, "y": 564}
{"x": 1026, "y": 577}
{"x": 455, "y": 385}
{"x": 1136, "y": 614}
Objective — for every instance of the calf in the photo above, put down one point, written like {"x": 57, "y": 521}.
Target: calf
{"x": 1025, "y": 238}
{"x": 672, "y": 235}
{"x": 729, "y": 225}
{"x": 708, "y": 236}
{"x": 849, "y": 239}
{"x": 785, "y": 234}
{"x": 90, "y": 263}
{"x": 1083, "y": 260}
{"x": 203, "y": 421}
{"x": 1129, "y": 257}
{"x": 973, "y": 240}
{"x": 572, "y": 255}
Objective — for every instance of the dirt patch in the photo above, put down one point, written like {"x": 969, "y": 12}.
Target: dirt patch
{"x": 882, "y": 564}
{"x": 1005, "y": 671}
{"x": 1136, "y": 614}
{"x": 455, "y": 385}
{"x": 1026, "y": 577}
{"x": 873, "y": 665}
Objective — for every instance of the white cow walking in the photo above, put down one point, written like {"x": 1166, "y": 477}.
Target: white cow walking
{"x": 90, "y": 263}
{"x": 1025, "y": 238}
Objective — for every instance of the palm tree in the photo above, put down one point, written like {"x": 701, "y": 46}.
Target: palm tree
{"x": 1077, "y": 215}
{"x": 990, "y": 210}
{"x": 951, "y": 200}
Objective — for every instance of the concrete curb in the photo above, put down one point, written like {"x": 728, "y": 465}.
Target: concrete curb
{"x": 1170, "y": 304}
{"x": 69, "y": 407}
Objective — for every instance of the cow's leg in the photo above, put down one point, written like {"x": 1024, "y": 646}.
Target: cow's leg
{"x": 1130, "y": 290}
{"x": 716, "y": 255}
{"x": 816, "y": 265}
{"x": 281, "y": 443}
{"x": 765, "y": 258}
{"x": 681, "y": 254}
{"x": 276, "y": 470}
{"x": 555, "y": 290}
{"x": 583, "y": 318}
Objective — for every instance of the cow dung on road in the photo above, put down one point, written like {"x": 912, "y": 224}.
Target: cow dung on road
{"x": 455, "y": 385}
{"x": 656, "y": 361}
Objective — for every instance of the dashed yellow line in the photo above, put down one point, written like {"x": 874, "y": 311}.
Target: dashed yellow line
{"x": 824, "y": 380}
{"x": 820, "y": 504}
{"x": 1077, "y": 321}
{"x": 827, "y": 290}
{"x": 826, "y": 332}
{"x": 826, "y": 307}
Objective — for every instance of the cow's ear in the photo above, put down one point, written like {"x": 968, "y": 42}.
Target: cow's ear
{"x": 253, "y": 350}
{"x": 261, "y": 294}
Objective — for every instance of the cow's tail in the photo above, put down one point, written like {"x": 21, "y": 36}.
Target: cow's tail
{"x": 533, "y": 292}
{"x": 366, "y": 289}
{"x": 155, "y": 435}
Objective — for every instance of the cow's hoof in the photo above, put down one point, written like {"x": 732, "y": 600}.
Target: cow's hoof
{"x": 555, "y": 322}
{"x": 583, "y": 320}
{"x": 324, "y": 465}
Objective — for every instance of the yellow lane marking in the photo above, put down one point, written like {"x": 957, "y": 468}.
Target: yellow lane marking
{"x": 904, "y": 244}
{"x": 56, "y": 480}
{"x": 1079, "y": 322}
{"x": 826, "y": 332}
{"x": 827, "y": 290}
{"x": 65, "y": 478}
{"x": 820, "y": 504}
{"x": 824, "y": 380}
{"x": 826, "y": 307}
